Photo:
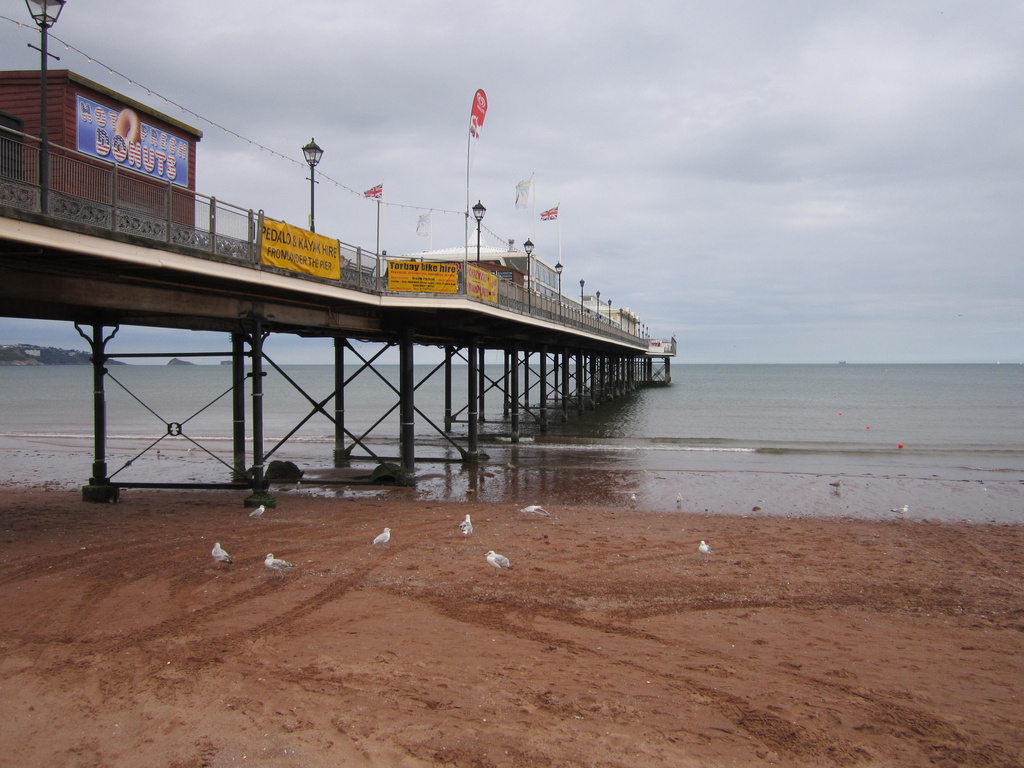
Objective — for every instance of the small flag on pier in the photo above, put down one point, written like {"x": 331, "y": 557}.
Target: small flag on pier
{"x": 476, "y": 118}
{"x": 523, "y": 194}
{"x": 375, "y": 193}
{"x": 423, "y": 225}
{"x": 550, "y": 214}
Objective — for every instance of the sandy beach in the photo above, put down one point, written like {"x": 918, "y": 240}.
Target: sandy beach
{"x": 612, "y": 641}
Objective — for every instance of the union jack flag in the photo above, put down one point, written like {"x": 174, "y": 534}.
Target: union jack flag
{"x": 375, "y": 192}
{"x": 550, "y": 214}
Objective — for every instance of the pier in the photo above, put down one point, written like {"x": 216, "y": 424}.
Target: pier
{"x": 102, "y": 248}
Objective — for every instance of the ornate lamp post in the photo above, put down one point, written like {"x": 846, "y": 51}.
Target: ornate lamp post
{"x": 44, "y": 14}
{"x": 599, "y": 315}
{"x": 313, "y": 153}
{"x": 582, "y": 283}
{"x": 558, "y": 271}
{"x": 478, "y": 214}
{"x": 528, "y": 247}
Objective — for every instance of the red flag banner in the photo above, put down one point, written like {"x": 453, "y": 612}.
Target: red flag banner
{"x": 550, "y": 214}
{"x": 375, "y": 192}
{"x": 476, "y": 119}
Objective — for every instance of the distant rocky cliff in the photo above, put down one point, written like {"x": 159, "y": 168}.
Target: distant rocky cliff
{"x": 30, "y": 354}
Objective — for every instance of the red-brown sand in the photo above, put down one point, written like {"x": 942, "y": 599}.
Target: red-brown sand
{"x": 611, "y": 642}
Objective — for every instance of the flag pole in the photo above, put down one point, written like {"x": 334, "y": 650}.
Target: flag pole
{"x": 465, "y": 228}
{"x": 476, "y": 122}
{"x": 559, "y": 207}
{"x": 533, "y": 213}
{"x": 378, "y": 226}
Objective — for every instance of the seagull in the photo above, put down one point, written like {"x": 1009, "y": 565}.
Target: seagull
{"x": 258, "y": 511}
{"x": 498, "y": 561}
{"x": 276, "y": 565}
{"x": 466, "y": 526}
{"x": 219, "y": 555}
{"x": 704, "y": 549}
{"x": 679, "y": 498}
{"x": 383, "y": 538}
{"x": 535, "y": 509}
{"x": 902, "y": 509}
{"x": 837, "y": 485}
{"x": 632, "y": 498}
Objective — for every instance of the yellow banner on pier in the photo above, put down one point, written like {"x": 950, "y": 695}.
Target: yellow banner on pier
{"x": 482, "y": 284}
{"x": 423, "y": 277}
{"x": 288, "y": 247}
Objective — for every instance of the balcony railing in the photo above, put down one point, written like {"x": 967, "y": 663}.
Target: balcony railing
{"x": 87, "y": 191}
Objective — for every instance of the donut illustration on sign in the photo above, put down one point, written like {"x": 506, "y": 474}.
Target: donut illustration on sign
{"x": 128, "y": 126}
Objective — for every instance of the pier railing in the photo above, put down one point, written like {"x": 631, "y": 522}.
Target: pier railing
{"x": 85, "y": 191}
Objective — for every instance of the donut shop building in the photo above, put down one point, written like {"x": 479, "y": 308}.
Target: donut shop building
{"x": 92, "y": 120}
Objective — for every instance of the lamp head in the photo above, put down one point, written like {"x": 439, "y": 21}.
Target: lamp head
{"x": 558, "y": 267}
{"x": 45, "y": 12}
{"x": 528, "y": 247}
{"x": 479, "y": 211}
{"x": 312, "y": 151}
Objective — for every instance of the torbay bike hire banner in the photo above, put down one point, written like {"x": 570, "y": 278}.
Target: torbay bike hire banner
{"x": 423, "y": 277}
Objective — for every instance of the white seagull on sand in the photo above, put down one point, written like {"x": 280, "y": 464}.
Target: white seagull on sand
{"x": 704, "y": 549}
{"x": 535, "y": 509}
{"x": 383, "y": 538}
{"x": 904, "y": 509}
{"x": 498, "y": 561}
{"x": 219, "y": 555}
{"x": 258, "y": 511}
{"x": 276, "y": 565}
{"x": 466, "y": 526}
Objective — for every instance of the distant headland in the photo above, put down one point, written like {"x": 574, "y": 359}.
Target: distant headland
{"x": 31, "y": 354}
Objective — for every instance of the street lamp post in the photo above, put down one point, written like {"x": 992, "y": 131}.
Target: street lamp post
{"x": 313, "y": 153}
{"x": 528, "y": 247}
{"x": 609, "y": 311}
{"x": 599, "y": 315}
{"x": 582, "y": 283}
{"x": 478, "y": 214}
{"x": 44, "y": 14}
{"x": 558, "y": 271}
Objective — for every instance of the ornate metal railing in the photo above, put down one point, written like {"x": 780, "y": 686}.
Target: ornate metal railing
{"x": 86, "y": 191}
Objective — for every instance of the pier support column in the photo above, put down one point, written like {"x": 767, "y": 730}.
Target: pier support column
{"x": 449, "y": 352}
{"x": 257, "y": 480}
{"x": 474, "y": 399}
{"x": 595, "y": 384}
{"x": 407, "y": 408}
{"x": 543, "y": 411}
{"x": 482, "y": 383}
{"x": 238, "y": 406}
{"x": 581, "y": 383}
{"x": 505, "y": 384}
{"x": 99, "y": 488}
{"x": 526, "y": 379}
{"x": 514, "y": 392}
{"x": 565, "y": 384}
{"x": 341, "y": 453}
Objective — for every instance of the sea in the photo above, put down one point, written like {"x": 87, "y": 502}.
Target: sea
{"x": 848, "y": 439}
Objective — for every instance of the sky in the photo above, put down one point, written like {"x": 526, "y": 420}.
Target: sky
{"x": 768, "y": 182}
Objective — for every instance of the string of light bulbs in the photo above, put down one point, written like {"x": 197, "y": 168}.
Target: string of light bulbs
{"x": 112, "y": 72}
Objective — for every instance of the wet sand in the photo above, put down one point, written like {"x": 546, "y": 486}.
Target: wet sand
{"x": 801, "y": 640}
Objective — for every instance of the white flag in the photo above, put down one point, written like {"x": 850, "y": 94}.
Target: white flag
{"x": 423, "y": 225}
{"x": 523, "y": 194}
